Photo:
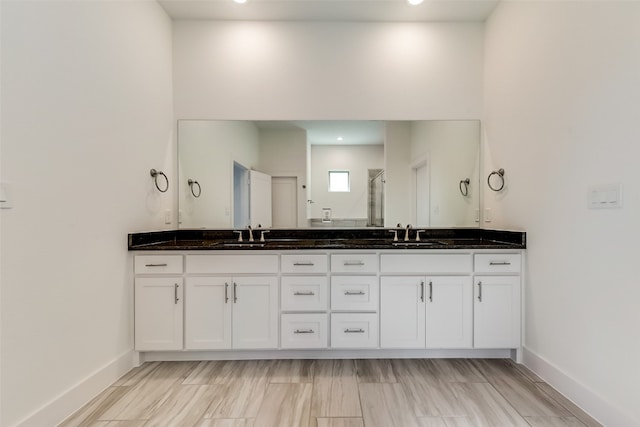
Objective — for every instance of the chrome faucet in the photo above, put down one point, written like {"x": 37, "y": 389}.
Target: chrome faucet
{"x": 406, "y": 232}
{"x": 250, "y": 233}
{"x": 239, "y": 234}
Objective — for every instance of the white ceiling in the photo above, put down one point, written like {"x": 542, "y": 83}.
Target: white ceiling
{"x": 332, "y": 10}
{"x": 326, "y": 132}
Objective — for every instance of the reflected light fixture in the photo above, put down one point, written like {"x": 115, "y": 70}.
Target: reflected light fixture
{"x": 240, "y": 1}
{"x": 414, "y": 2}
{"x": 340, "y": 138}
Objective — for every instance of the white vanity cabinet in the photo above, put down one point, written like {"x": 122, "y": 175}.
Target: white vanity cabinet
{"x": 158, "y": 302}
{"x": 427, "y": 310}
{"x": 227, "y": 309}
{"x": 365, "y": 302}
{"x": 497, "y": 300}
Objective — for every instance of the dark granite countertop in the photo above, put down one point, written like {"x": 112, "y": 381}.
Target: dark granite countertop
{"x": 305, "y": 239}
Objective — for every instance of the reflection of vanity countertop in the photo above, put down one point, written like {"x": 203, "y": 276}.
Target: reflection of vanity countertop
{"x": 303, "y": 239}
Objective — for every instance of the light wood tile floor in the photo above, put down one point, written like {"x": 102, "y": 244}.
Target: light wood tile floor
{"x": 331, "y": 393}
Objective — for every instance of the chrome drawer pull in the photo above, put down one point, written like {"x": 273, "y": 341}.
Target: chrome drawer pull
{"x": 235, "y": 292}
{"x": 430, "y": 291}
{"x": 346, "y": 263}
{"x": 308, "y": 264}
{"x": 499, "y": 263}
{"x": 156, "y": 265}
{"x": 304, "y": 293}
{"x": 226, "y": 292}
{"x": 479, "y": 291}
{"x": 354, "y": 331}
{"x": 354, "y": 293}
{"x": 421, "y": 291}
{"x": 175, "y": 293}
{"x": 303, "y": 331}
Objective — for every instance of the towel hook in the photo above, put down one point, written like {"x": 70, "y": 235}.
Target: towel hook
{"x": 154, "y": 173}
{"x": 191, "y": 183}
{"x": 500, "y": 174}
{"x": 464, "y": 187}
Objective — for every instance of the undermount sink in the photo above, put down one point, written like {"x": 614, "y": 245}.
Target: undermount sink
{"x": 418, "y": 244}
{"x": 243, "y": 244}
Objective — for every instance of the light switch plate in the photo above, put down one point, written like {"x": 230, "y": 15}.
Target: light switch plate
{"x": 167, "y": 216}
{"x": 5, "y": 196}
{"x": 604, "y": 196}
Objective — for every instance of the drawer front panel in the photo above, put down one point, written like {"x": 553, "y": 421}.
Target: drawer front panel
{"x": 497, "y": 263}
{"x": 303, "y": 331}
{"x": 426, "y": 263}
{"x": 158, "y": 264}
{"x": 232, "y": 264}
{"x": 354, "y": 263}
{"x": 354, "y": 293}
{"x": 304, "y": 263}
{"x": 304, "y": 293}
{"x": 354, "y": 330}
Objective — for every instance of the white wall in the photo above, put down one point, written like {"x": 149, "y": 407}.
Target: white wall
{"x": 452, "y": 149}
{"x": 86, "y": 113}
{"x": 283, "y": 153}
{"x": 208, "y": 149}
{"x": 562, "y": 114}
{"x": 357, "y": 159}
{"x": 314, "y": 70}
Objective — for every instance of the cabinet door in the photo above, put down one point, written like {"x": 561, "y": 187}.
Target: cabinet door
{"x": 158, "y": 313}
{"x": 208, "y": 313}
{"x": 255, "y": 312}
{"x": 449, "y": 306}
{"x": 497, "y": 312}
{"x": 402, "y": 312}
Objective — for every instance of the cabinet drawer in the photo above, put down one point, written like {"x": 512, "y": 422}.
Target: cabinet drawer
{"x": 497, "y": 263}
{"x": 425, "y": 263}
{"x": 304, "y": 293}
{"x": 354, "y": 263}
{"x": 232, "y": 264}
{"x": 354, "y": 293}
{"x": 304, "y": 263}
{"x": 354, "y": 330}
{"x": 303, "y": 331}
{"x": 158, "y": 264}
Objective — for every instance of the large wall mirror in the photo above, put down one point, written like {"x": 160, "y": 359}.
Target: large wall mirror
{"x": 293, "y": 174}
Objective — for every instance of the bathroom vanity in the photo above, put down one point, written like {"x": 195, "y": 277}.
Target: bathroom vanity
{"x": 327, "y": 293}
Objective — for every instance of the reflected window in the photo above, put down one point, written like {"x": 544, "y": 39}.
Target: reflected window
{"x": 339, "y": 181}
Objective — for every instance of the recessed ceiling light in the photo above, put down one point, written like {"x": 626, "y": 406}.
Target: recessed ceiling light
{"x": 240, "y": 1}
{"x": 340, "y": 138}
{"x": 414, "y": 2}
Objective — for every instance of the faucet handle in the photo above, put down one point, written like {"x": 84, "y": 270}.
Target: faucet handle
{"x": 239, "y": 234}
{"x": 418, "y": 234}
{"x": 262, "y": 234}
{"x": 395, "y": 235}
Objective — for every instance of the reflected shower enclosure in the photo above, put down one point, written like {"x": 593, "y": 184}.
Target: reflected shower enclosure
{"x": 376, "y": 198}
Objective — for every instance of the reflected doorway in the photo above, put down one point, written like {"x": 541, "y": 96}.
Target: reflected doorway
{"x": 284, "y": 194}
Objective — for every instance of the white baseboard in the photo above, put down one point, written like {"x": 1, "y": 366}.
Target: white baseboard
{"x": 592, "y": 403}
{"x": 72, "y": 399}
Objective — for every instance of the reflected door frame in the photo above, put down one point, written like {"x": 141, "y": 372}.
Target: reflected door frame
{"x": 420, "y": 191}
{"x": 292, "y": 180}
